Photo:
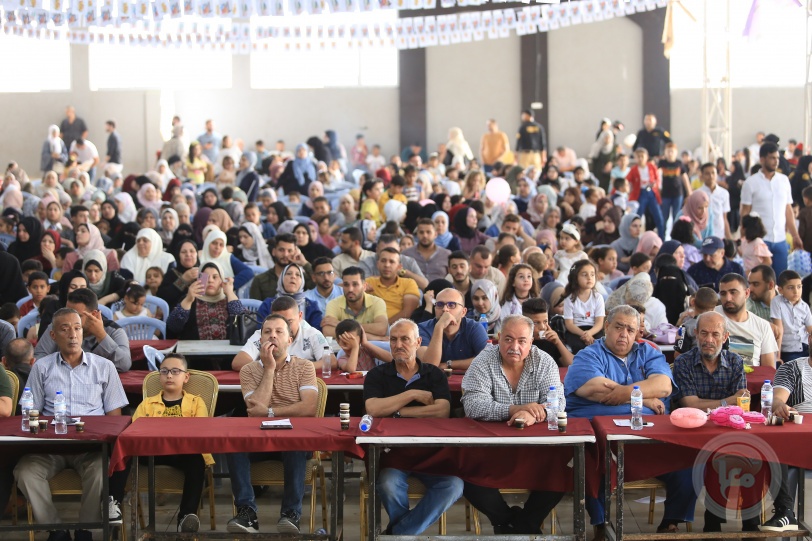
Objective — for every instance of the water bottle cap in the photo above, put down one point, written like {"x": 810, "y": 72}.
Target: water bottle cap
{"x": 59, "y": 392}
{"x": 636, "y": 386}
{"x": 766, "y": 381}
{"x": 552, "y": 387}
{"x": 27, "y": 389}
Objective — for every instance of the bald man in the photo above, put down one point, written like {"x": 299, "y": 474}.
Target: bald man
{"x": 453, "y": 339}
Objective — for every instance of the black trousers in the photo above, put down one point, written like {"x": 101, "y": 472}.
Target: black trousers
{"x": 489, "y": 502}
{"x": 193, "y": 468}
{"x": 574, "y": 341}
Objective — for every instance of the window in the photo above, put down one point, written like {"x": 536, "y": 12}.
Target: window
{"x": 51, "y": 58}
{"x": 773, "y": 55}
{"x": 283, "y": 66}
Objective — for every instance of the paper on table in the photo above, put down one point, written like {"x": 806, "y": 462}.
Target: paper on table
{"x": 277, "y": 422}
{"x": 628, "y": 423}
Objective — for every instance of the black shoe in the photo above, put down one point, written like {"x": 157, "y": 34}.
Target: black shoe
{"x": 288, "y": 522}
{"x": 783, "y": 521}
{"x": 750, "y": 524}
{"x": 245, "y": 521}
{"x": 600, "y": 532}
{"x": 712, "y": 522}
{"x": 189, "y": 523}
{"x": 59, "y": 535}
{"x": 82, "y": 535}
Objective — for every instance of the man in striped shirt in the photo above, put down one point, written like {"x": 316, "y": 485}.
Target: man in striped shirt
{"x": 276, "y": 385}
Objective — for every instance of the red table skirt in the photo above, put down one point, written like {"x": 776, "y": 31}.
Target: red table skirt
{"x": 99, "y": 428}
{"x": 158, "y": 436}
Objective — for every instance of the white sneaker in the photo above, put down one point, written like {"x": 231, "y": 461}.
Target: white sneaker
{"x": 113, "y": 511}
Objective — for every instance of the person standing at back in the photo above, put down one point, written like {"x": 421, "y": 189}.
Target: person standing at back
{"x": 531, "y": 142}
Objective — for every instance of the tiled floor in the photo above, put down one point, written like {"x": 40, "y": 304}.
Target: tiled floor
{"x": 636, "y": 517}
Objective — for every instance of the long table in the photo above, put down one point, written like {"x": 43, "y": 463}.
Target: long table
{"x": 490, "y": 454}
{"x": 679, "y": 448}
{"x": 191, "y": 435}
{"x": 100, "y": 432}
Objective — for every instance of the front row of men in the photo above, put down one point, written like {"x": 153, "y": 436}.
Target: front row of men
{"x": 502, "y": 384}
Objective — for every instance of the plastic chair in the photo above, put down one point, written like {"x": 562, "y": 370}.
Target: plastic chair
{"x": 142, "y": 328}
{"x": 106, "y": 312}
{"x": 251, "y": 305}
{"x": 256, "y": 269}
{"x": 26, "y": 322}
{"x": 169, "y": 480}
{"x": 23, "y": 300}
{"x": 154, "y": 303}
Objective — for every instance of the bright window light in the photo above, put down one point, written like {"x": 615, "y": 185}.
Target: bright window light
{"x": 21, "y": 54}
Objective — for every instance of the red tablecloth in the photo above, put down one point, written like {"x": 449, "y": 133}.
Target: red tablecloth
{"x": 157, "y": 436}
{"x": 508, "y": 465}
{"x": 137, "y": 347}
{"x": 100, "y": 428}
{"x": 133, "y": 381}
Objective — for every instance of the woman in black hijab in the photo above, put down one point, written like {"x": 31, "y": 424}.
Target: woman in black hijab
{"x": 413, "y": 213}
{"x": 70, "y": 281}
{"x": 279, "y": 215}
{"x": 311, "y": 250}
{"x": 125, "y": 239}
{"x": 320, "y": 151}
{"x": 672, "y": 290}
{"x": 210, "y": 199}
{"x": 182, "y": 233}
{"x": 425, "y": 311}
{"x": 180, "y": 276}
{"x": 465, "y": 227}
{"x": 29, "y": 229}
{"x": 109, "y": 212}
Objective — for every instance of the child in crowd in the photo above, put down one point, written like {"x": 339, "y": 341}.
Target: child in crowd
{"x": 541, "y": 264}
{"x": 7, "y": 235}
{"x": 174, "y": 401}
{"x": 522, "y": 284}
{"x": 621, "y": 168}
{"x": 38, "y": 288}
{"x": 153, "y": 279}
{"x": 395, "y": 191}
{"x": 412, "y": 190}
{"x": 590, "y": 206}
{"x": 792, "y": 317}
{"x": 10, "y": 314}
{"x": 620, "y": 193}
{"x": 644, "y": 181}
{"x": 683, "y": 232}
{"x": 805, "y": 219}
{"x": 584, "y": 309}
{"x": 753, "y": 249}
{"x": 134, "y": 300}
{"x": 606, "y": 258}
{"x": 675, "y": 182}
{"x": 375, "y": 160}
{"x": 28, "y": 267}
{"x": 545, "y": 338}
{"x": 704, "y": 300}
{"x": 353, "y": 355}
{"x": 639, "y": 262}
{"x": 569, "y": 249}
{"x": 406, "y": 242}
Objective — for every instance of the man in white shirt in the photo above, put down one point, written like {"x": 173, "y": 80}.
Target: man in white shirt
{"x": 308, "y": 343}
{"x": 750, "y": 336}
{"x": 768, "y": 193}
{"x": 754, "y": 149}
{"x": 719, "y": 201}
{"x": 87, "y": 155}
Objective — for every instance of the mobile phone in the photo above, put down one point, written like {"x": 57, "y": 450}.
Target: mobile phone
{"x": 204, "y": 279}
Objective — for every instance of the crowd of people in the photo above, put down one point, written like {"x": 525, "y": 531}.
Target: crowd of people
{"x": 410, "y": 263}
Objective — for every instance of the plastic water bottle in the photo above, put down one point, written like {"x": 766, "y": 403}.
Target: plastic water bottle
{"x": 637, "y": 408}
{"x": 326, "y": 367}
{"x": 483, "y": 320}
{"x": 26, "y": 404}
{"x": 61, "y": 413}
{"x": 552, "y": 408}
{"x": 766, "y": 400}
{"x": 366, "y": 423}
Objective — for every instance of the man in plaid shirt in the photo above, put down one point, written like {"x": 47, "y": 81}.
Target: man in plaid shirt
{"x": 506, "y": 383}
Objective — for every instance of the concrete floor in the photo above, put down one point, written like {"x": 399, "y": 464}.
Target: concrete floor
{"x": 636, "y": 513}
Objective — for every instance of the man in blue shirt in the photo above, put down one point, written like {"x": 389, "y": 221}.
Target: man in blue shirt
{"x": 325, "y": 290}
{"x": 211, "y": 141}
{"x": 714, "y": 264}
{"x": 600, "y": 382}
{"x": 452, "y": 338}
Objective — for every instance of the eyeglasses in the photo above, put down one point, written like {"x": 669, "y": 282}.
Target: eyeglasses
{"x": 325, "y": 273}
{"x": 451, "y": 305}
{"x": 173, "y": 371}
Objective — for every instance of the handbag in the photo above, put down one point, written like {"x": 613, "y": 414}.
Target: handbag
{"x": 240, "y": 328}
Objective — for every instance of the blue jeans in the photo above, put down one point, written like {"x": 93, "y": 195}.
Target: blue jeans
{"x": 680, "y": 498}
{"x": 671, "y": 207}
{"x": 788, "y": 356}
{"x": 648, "y": 202}
{"x": 441, "y": 493}
{"x": 780, "y": 252}
{"x": 294, "y": 464}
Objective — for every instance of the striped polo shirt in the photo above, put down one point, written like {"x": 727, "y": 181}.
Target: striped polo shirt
{"x": 291, "y": 377}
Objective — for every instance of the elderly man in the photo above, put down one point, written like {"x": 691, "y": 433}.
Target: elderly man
{"x": 451, "y": 337}
{"x": 399, "y": 293}
{"x": 356, "y": 304}
{"x": 708, "y": 377}
{"x": 409, "y": 267}
{"x": 91, "y": 386}
{"x": 276, "y": 385}
{"x": 600, "y": 382}
{"x": 504, "y": 384}
{"x": 714, "y": 264}
{"x": 102, "y": 337}
{"x": 408, "y": 388}
{"x": 751, "y": 337}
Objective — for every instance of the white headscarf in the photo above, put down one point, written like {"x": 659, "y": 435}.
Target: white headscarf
{"x": 129, "y": 212}
{"x": 224, "y": 261}
{"x": 458, "y": 146}
{"x": 54, "y": 141}
{"x": 258, "y": 254}
{"x": 156, "y": 257}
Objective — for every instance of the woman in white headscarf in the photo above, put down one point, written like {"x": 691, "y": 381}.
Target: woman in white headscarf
{"x": 147, "y": 252}
{"x": 54, "y": 152}
{"x": 126, "y": 207}
{"x": 458, "y": 151}
{"x": 485, "y": 297}
{"x": 214, "y": 249}
{"x": 149, "y": 196}
{"x": 254, "y": 249}
{"x": 169, "y": 224}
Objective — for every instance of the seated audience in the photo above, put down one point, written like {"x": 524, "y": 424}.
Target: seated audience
{"x": 450, "y": 339}
{"x": 204, "y": 312}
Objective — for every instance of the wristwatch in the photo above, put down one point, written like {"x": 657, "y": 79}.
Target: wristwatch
{"x": 397, "y": 415}
{"x": 723, "y": 402}
{"x": 270, "y": 412}
{"x": 448, "y": 364}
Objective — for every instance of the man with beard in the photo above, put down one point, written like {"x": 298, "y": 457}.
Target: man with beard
{"x": 284, "y": 253}
{"x": 432, "y": 259}
{"x": 750, "y": 336}
{"x": 459, "y": 274}
{"x": 356, "y": 304}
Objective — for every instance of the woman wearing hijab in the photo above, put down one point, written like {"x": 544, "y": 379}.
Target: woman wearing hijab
{"x": 610, "y": 231}
{"x": 299, "y": 172}
{"x": 650, "y": 244}
{"x": 425, "y": 311}
{"x": 173, "y": 187}
{"x": 180, "y": 276}
{"x": 214, "y": 249}
{"x": 49, "y": 245}
{"x": 320, "y": 152}
{"x": 336, "y": 149}
{"x": 200, "y": 222}
{"x": 108, "y": 286}
{"x": 697, "y": 209}
{"x": 672, "y": 289}
{"x": 316, "y": 189}
{"x": 149, "y": 197}
{"x": 465, "y": 227}
{"x": 126, "y": 207}
{"x": 210, "y": 199}
{"x": 253, "y": 250}
{"x": 182, "y": 233}
{"x": 445, "y": 239}
{"x": 125, "y": 239}
{"x": 222, "y": 220}
{"x": 169, "y": 224}
{"x": 536, "y": 209}
{"x": 248, "y": 180}
{"x": 594, "y": 224}
{"x": 291, "y": 283}
{"x": 88, "y": 237}
{"x": 458, "y": 151}
{"x": 629, "y": 239}
{"x": 54, "y": 154}
{"x": 204, "y": 312}
{"x": 27, "y": 245}
{"x": 369, "y": 231}
{"x": 109, "y": 212}
{"x": 310, "y": 250}
{"x": 148, "y": 252}
{"x": 70, "y": 281}
{"x": 485, "y": 297}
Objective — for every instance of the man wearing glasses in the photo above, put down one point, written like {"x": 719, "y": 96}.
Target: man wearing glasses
{"x": 452, "y": 339}
{"x": 324, "y": 278}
